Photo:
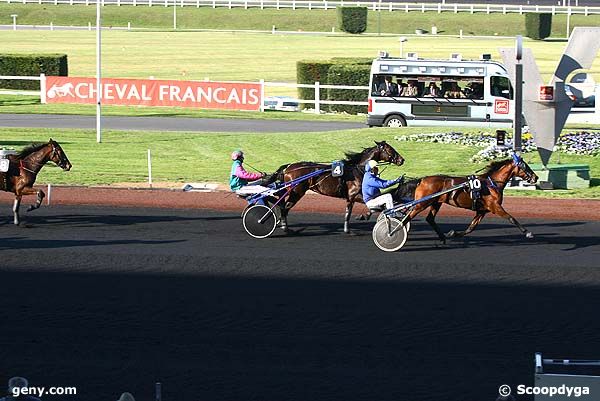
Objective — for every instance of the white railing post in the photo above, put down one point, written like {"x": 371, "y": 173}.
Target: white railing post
{"x": 471, "y": 8}
{"x": 406, "y": 8}
{"x": 553, "y": 10}
{"x": 293, "y": 4}
{"x": 317, "y": 98}
{"x": 439, "y": 8}
{"x": 503, "y": 9}
{"x": 423, "y": 7}
{"x": 325, "y": 4}
{"x": 262, "y": 95}
{"x": 309, "y": 5}
{"x": 488, "y": 9}
{"x": 390, "y": 9}
{"x": 456, "y": 9}
{"x": 521, "y": 9}
{"x": 262, "y": 5}
{"x": 277, "y": 4}
{"x": 43, "y": 88}
{"x": 586, "y": 11}
{"x": 229, "y": 4}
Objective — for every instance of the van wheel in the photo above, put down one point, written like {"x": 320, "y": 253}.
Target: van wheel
{"x": 394, "y": 121}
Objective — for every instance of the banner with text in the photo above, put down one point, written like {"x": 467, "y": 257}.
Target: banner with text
{"x": 147, "y": 92}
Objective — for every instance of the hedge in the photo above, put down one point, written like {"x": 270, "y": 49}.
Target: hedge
{"x": 308, "y": 72}
{"x": 352, "y": 19}
{"x": 353, "y": 60}
{"x": 351, "y": 75}
{"x": 538, "y": 26}
{"x": 31, "y": 65}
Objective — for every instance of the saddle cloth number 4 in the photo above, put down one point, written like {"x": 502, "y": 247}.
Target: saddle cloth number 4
{"x": 337, "y": 168}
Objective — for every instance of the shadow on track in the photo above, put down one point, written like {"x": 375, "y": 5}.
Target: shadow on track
{"x": 235, "y": 338}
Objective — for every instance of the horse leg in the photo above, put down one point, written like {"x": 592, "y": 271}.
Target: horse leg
{"x": 476, "y": 220}
{"x": 434, "y": 209}
{"x": 349, "y": 206}
{"x": 16, "y": 206}
{"x": 498, "y": 210}
{"x": 40, "y": 197}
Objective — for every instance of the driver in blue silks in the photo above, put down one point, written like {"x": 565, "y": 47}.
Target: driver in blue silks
{"x": 372, "y": 186}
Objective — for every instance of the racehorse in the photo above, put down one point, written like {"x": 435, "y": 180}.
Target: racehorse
{"x": 493, "y": 181}
{"x": 24, "y": 168}
{"x": 348, "y": 186}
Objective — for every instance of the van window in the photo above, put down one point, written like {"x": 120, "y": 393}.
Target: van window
{"x": 455, "y": 87}
{"x": 501, "y": 87}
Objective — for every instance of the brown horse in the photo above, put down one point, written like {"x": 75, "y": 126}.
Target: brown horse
{"x": 347, "y": 186}
{"x": 24, "y": 168}
{"x": 493, "y": 181}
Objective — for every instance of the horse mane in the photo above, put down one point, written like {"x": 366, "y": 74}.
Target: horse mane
{"x": 495, "y": 166}
{"x": 26, "y": 151}
{"x": 353, "y": 158}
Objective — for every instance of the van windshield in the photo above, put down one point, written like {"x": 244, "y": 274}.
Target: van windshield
{"x": 452, "y": 87}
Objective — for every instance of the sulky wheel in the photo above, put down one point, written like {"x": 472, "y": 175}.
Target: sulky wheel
{"x": 259, "y": 221}
{"x": 382, "y": 237}
{"x": 406, "y": 224}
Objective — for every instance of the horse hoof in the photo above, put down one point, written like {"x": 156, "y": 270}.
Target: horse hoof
{"x": 529, "y": 234}
{"x": 30, "y": 208}
{"x": 450, "y": 234}
{"x": 360, "y": 218}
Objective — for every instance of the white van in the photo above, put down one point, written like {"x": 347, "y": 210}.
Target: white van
{"x": 421, "y": 92}
{"x": 281, "y": 103}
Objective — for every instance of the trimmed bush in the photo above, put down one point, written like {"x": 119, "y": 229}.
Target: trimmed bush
{"x": 351, "y": 75}
{"x": 538, "y": 26}
{"x": 308, "y": 72}
{"x": 352, "y": 19}
{"x": 353, "y": 60}
{"x": 31, "y": 65}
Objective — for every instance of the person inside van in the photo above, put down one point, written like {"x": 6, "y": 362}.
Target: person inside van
{"x": 433, "y": 90}
{"x": 454, "y": 92}
{"x": 389, "y": 88}
{"x": 411, "y": 90}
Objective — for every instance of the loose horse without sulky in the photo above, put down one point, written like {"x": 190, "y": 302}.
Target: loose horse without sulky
{"x": 493, "y": 179}
{"x": 24, "y": 168}
{"x": 347, "y": 186}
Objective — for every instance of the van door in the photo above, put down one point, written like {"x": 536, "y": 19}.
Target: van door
{"x": 501, "y": 104}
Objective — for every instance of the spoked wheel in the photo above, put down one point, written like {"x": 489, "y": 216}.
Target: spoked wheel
{"x": 389, "y": 242}
{"x": 259, "y": 221}
{"x": 406, "y": 225}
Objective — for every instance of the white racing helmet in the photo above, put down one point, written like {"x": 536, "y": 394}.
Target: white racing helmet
{"x": 371, "y": 164}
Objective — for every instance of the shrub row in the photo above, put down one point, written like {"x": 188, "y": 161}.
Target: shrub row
{"x": 31, "y": 65}
{"x": 352, "y": 19}
{"x": 337, "y": 71}
{"x": 538, "y": 26}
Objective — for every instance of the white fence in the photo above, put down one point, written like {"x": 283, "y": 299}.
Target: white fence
{"x": 316, "y": 101}
{"x": 326, "y": 5}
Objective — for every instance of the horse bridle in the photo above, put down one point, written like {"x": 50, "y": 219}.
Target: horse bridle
{"x": 383, "y": 150}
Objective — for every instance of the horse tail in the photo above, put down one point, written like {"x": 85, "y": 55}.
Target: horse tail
{"x": 406, "y": 191}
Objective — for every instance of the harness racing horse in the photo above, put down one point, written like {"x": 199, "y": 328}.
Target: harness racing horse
{"x": 348, "y": 186}
{"x": 24, "y": 168}
{"x": 493, "y": 181}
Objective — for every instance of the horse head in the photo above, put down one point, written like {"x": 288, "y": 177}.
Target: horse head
{"x": 386, "y": 153}
{"x": 58, "y": 156}
{"x": 522, "y": 169}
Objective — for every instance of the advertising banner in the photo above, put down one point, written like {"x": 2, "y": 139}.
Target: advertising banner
{"x": 147, "y": 92}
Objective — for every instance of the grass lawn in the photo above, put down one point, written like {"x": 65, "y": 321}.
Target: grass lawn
{"x": 32, "y": 105}
{"x": 189, "y": 17}
{"x": 243, "y": 56}
{"x": 181, "y": 157}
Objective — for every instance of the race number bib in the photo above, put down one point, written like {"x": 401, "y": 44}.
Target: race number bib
{"x": 4, "y": 165}
{"x": 474, "y": 183}
{"x": 337, "y": 168}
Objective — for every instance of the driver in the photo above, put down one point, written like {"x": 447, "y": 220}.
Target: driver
{"x": 372, "y": 186}
{"x": 239, "y": 177}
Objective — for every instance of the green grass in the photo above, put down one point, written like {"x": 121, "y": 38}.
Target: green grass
{"x": 160, "y": 17}
{"x": 181, "y": 157}
{"x": 243, "y": 56}
{"x": 31, "y": 105}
